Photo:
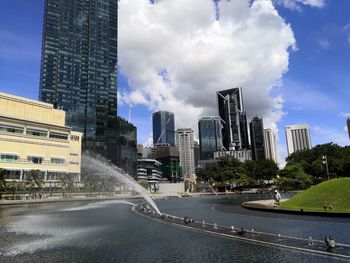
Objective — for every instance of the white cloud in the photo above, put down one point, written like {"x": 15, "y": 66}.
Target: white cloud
{"x": 296, "y": 4}
{"x": 327, "y": 135}
{"x": 324, "y": 43}
{"x": 345, "y": 114}
{"x": 176, "y": 55}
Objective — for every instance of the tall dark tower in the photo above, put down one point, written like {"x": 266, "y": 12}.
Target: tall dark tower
{"x": 78, "y": 68}
{"x": 233, "y": 119}
{"x": 257, "y": 138}
{"x": 163, "y": 128}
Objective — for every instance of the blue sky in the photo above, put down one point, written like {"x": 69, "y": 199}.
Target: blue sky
{"x": 315, "y": 89}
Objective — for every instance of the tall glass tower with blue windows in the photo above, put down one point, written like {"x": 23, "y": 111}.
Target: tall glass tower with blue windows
{"x": 78, "y": 68}
{"x": 163, "y": 128}
{"x": 210, "y": 137}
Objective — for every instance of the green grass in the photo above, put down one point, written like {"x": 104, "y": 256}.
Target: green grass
{"x": 335, "y": 193}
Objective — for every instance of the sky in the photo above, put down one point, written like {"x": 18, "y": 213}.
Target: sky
{"x": 291, "y": 58}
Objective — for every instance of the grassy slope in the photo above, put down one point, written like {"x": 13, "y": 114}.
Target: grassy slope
{"x": 335, "y": 192}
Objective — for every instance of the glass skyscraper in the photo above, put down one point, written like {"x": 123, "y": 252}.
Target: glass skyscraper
{"x": 257, "y": 138}
{"x": 210, "y": 139}
{"x": 78, "y": 68}
{"x": 233, "y": 119}
{"x": 163, "y": 128}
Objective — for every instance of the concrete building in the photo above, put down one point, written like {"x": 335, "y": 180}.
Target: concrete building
{"x": 298, "y": 137}
{"x": 33, "y": 136}
{"x": 210, "y": 138}
{"x": 185, "y": 145}
{"x": 196, "y": 153}
{"x": 270, "y": 145}
{"x": 233, "y": 119}
{"x": 257, "y": 138}
{"x": 242, "y": 155}
{"x": 149, "y": 171}
{"x": 163, "y": 128}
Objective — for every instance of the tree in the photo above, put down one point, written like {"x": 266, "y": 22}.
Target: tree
{"x": 35, "y": 179}
{"x": 294, "y": 177}
{"x": 266, "y": 169}
{"x": 2, "y": 181}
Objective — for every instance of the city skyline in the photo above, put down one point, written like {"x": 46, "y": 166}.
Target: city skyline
{"x": 316, "y": 62}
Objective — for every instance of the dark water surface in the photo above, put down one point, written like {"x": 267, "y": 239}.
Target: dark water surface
{"x": 111, "y": 232}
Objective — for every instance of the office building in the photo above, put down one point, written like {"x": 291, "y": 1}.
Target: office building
{"x": 185, "y": 145}
{"x": 163, "y": 128}
{"x": 348, "y": 124}
{"x": 148, "y": 171}
{"x": 257, "y": 138}
{"x": 240, "y": 155}
{"x": 233, "y": 119}
{"x": 33, "y": 136}
{"x": 210, "y": 138}
{"x": 270, "y": 145}
{"x": 298, "y": 138}
{"x": 78, "y": 69}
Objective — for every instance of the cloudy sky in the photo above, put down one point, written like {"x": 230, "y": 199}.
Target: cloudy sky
{"x": 291, "y": 57}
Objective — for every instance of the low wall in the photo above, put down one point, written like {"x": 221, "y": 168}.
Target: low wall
{"x": 171, "y": 188}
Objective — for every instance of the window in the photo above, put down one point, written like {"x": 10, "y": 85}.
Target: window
{"x": 57, "y": 135}
{"x": 55, "y": 176}
{"x": 13, "y": 174}
{"x": 35, "y": 159}
{"x": 8, "y": 158}
{"x": 74, "y": 137}
{"x": 11, "y": 129}
{"x": 39, "y": 133}
{"x": 57, "y": 161}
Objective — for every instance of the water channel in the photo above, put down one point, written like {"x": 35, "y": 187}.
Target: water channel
{"x": 110, "y": 231}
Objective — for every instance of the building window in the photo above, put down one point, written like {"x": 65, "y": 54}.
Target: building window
{"x": 57, "y": 161}
{"x": 74, "y": 138}
{"x": 35, "y": 159}
{"x": 8, "y": 158}
{"x": 13, "y": 175}
{"x": 55, "y": 176}
{"x": 57, "y": 135}
{"x": 39, "y": 133}
{"x": 11, "y": 129}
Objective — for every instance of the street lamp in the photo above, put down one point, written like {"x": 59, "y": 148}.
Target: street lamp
{"x": 325, "y": 161}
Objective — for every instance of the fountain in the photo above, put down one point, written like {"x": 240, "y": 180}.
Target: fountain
{"x": 99, "y": 165}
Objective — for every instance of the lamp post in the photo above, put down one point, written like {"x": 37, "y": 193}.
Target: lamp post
{"x": 325, "y": 161}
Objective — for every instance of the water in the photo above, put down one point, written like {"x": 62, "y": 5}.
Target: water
{"x": 110, "y": 231}
{"x": 99, "y": 165}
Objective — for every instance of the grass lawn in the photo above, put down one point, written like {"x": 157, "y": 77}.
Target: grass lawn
{"x": 334, "y": 193}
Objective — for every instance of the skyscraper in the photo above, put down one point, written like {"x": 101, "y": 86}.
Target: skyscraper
{"x": 348, "y": 124}
{"x": 210, "y": 138}
{"x": 270, "y": 145}
{"x": 298, "y": 137}
{"x": 185, "y": 144}
{"x": 78, "y": 68}
{"x": 257, "y": 138}
{"x": 233, "y": 119}
{"x": 163, "y": 128}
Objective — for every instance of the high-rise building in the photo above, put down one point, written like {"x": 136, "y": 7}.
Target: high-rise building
{"x": 185, "y": 145}
{"x": 298, "y": 137}
{"x": 210, "y": 138}
{"x": 196, "y": 154}
{"x": 233, "y": 119}
{"x": 348, "y": 124}
{"x": 78, "y": 69}
{"x": 163, "y": 128}
{"x": 257, "y": 138}
{"x": 270, "y": 145}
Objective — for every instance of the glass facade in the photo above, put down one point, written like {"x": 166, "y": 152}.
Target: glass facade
{"x": 257, "y": 138}
{"x": 163, "y": 128}
{"x": 210, "y": 138}
{"x": 78, "y": 68}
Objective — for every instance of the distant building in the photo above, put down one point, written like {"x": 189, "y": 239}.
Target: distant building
{"x": 270, "y": 145}
{"x": 196, "y": 153}
{"x": 241, "y": 155}
{"x": 233, "y": 119}
{"x": 185, "y": 145}
{"x": 33, "y": 136}
{"x": 149, "y": 171}
{"x": 257, "y": 138}
{"x": 298, "y": 137}
{"x": 163, "y": 128}
{"x": 210, "y": 138}
{"x": 169, "y": 157}
{"x": 348, "y": 124}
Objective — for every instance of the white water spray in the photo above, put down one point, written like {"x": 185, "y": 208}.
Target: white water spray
{"x": 100, "y": 165}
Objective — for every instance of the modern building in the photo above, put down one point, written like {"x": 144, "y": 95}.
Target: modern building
{"x": 257, "y": 138}
{"x": 185, "y": 145}
{"x": 196, "y": 154}
{"x": 210, "y": 138}
{"x": 233, "y": 119}
{"x": 33, "y": 136}
{"x": 169, "y": 157}
{"x": 270, "y": 145}
{"x": 148, "y": 171}
{"x": 241, "y": 155}
{"x": 126, "y": 152}
{"x": 78, "y": 69}
{"x": 348, "y": 124}
{"x": 163, "y": 128}
{"x": 298, "y": 137}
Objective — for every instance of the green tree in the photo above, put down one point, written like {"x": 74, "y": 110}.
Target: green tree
{"x": 2, "y": 181}
{"x": 294, "y": 177}
{"x": 35, "y": 179}
{"x": 266, "y": 169}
